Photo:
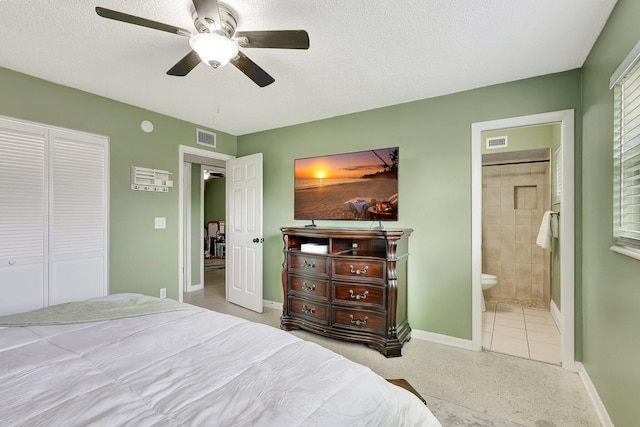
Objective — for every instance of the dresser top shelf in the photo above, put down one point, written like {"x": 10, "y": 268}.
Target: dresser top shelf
{"x": 348, "y": 232}
{"x": 346, "y": 242}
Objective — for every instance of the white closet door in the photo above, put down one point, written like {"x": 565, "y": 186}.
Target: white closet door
{"x": 23, "y": 219}
{"x": 77, "y": 222}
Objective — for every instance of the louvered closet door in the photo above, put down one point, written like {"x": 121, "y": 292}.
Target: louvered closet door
{"x": 78, "y": 223}
{"x": 23, "y": 223}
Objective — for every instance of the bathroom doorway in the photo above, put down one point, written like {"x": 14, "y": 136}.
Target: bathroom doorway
{"x": 530, "y": 291}
{"x": 517, "y": 273}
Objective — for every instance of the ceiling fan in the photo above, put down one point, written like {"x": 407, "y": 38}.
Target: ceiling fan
{"x": 216, "y": 41}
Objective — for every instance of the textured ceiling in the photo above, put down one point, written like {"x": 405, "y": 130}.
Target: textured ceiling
{"x": 364, "y": 54}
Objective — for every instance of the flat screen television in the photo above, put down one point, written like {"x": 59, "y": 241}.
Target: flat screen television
{"x": 357, "y": 186}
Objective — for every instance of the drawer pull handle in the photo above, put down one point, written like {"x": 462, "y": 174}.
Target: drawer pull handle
{"x": 358, "y": 297}
{"x": 306, "y": 310}
{"x": 359, "y": 272}
{"x": 306, "y": 287}
{"x": 359, "y": 322}
{"x": 307, "y": 264}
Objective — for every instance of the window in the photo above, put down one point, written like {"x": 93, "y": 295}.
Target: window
{"x": 626, "y": 154}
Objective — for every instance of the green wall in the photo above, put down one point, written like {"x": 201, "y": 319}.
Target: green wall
{"x": 141, "y": 258}
{"x": 523, "y": 138}
{"x": 215, "y": 199}
{"x": 435, "y": 183}
{"x": 610, "y": 281}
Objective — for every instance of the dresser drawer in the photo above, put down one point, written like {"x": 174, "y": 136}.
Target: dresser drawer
{"x": 309, "y": 264}
{"x": 312, "y": 311}
{"x": 360, "y": 320}
{"x": 308, "y": 286}
{"x": 359, "y": 294}
{"x": 365, "y": 269}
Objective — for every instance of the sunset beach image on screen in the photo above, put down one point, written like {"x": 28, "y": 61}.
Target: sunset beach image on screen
{"x": 356, "y": 186}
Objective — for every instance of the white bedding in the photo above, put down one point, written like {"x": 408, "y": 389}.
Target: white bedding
{"x": 192, "y": 368}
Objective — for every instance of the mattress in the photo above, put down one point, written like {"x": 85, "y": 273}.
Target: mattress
{"x": 188, "y": 367}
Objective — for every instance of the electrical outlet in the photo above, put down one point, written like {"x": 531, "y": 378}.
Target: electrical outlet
{"x": 163, "y": 293}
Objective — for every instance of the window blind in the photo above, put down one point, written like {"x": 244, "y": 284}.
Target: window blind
{"x": 627, "y": 158}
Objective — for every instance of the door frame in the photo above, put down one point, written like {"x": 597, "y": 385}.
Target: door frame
{"x": 567, "y": 225}
{"x": 186, "y": 225}
{"x": 185, "y": 149}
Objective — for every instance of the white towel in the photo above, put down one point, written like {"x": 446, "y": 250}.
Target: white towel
{"x": 545, "y": 234}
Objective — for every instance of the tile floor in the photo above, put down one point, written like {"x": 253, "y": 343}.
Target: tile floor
{"x": 530, "y": 333}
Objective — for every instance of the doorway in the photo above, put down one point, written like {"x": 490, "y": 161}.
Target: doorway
{"x": 566, "y": 224}
{"x": 243, "y": 230}
{"x": 204, "y": 212}
{"x": 518, "y": 285}
{"x": 192, "y": 221}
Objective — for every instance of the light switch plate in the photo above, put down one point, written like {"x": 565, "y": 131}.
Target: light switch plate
{"x": 160, "y": 222}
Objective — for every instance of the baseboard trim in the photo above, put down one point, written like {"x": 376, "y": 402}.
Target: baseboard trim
{"x": 556, "y": 314}
{"x": 194, "y": 288}
{"x": 601, "y": 410}
{"x": 272, "y": 304}
{"x": 442, "y": 339}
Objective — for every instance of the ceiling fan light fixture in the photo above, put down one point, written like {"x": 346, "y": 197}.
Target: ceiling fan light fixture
{"x": 214, "y": 49}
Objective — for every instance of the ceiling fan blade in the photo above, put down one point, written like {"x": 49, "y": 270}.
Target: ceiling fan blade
{"x": 185, "y": 65}
{"x": 208, "y": 9}
{"x": 252, "y": 70}
{"x": 282, "y": 39}
{"x": 136, "y": 20}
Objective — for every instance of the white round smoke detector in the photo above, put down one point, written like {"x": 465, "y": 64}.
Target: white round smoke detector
{"x": 146, "y": 126}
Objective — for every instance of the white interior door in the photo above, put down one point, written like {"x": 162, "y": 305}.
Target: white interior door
{"x": 244, "y": 232}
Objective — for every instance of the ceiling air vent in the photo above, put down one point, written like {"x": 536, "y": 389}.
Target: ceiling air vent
{"x": 496, "y": 142}
{"x": 206, "y": 138}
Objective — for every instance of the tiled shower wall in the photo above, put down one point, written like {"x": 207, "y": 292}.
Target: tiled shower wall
{"x": 514, "y": 198}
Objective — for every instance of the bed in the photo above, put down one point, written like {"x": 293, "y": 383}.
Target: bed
{"x": 163, "y": 363}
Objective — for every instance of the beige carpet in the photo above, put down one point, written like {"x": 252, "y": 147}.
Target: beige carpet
{"x": 469, "y": 388}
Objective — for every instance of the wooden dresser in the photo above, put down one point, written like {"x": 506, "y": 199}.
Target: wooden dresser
{"x": 347, "y": 283}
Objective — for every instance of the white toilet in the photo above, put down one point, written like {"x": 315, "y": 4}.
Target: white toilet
{"x": 488, "y": 281}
